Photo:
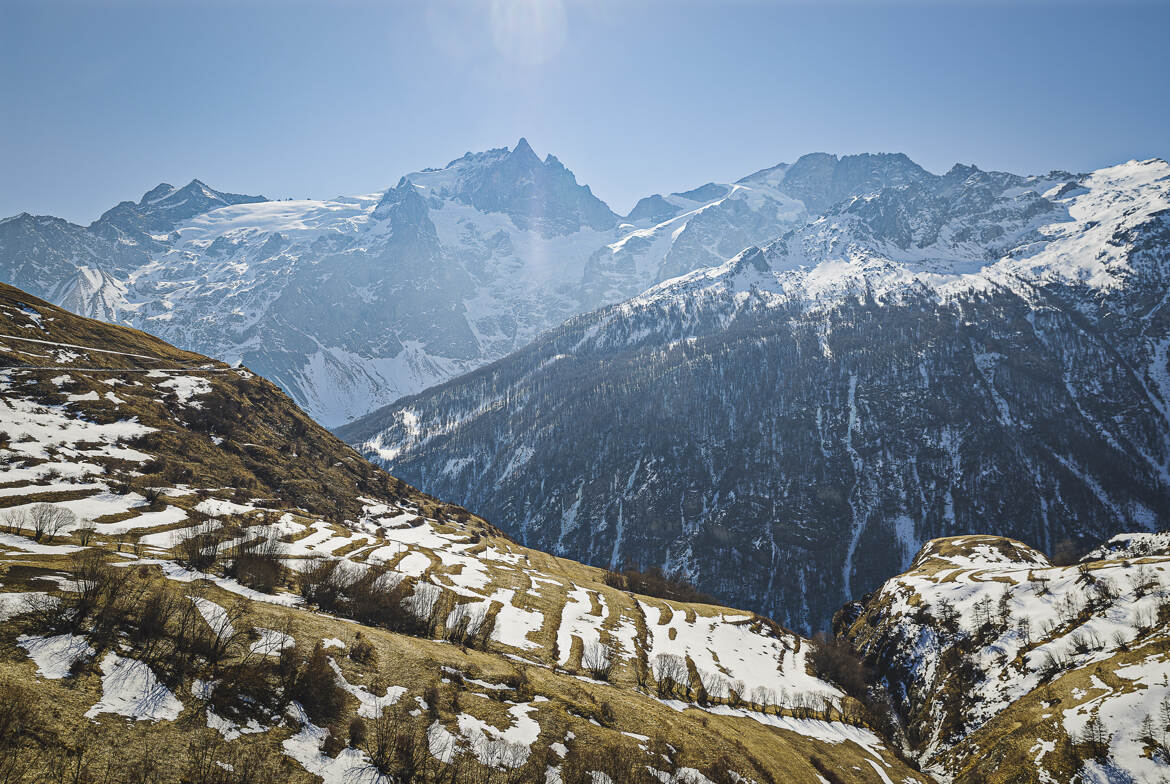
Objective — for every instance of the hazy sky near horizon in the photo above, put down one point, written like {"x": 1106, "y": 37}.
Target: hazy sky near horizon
{"x": 103, "y": 100}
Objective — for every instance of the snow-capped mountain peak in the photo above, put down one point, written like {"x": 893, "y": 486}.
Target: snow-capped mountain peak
{"x": 977, "y": 351}
{"x": 457, "y": 266}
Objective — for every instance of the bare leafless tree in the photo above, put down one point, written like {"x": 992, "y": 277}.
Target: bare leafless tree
{"x": 48, "y": 520}
{"x": 424, "y": 602}
{"x": 735, "y": 693}
{"x": 16, "y": 520}
{"x": 85, "y": 531}
{"x": 670, "y": 672}
{"x": 200, "y": 549}
{"x": 464, "y": 623}
{"x": 713, "y": 685}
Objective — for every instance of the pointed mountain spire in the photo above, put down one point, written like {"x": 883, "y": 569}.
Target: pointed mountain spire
{"x": 524, "y": 150}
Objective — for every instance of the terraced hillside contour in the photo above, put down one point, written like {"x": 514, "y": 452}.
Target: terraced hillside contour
{"x": 200, "y": 584}
{"x": 1006, "y": 668}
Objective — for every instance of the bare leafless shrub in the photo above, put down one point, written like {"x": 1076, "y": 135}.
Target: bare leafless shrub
{"x": 20, "y": 756}
{"x": 324, "y": 583}
{"x": 598, "y": 660}
{"x": 1084, "y": 575}
{"x": 1162, "y": 613}
{"x": 616, "y": 761}
{"x": 828, "y": 774}
{"x": 357, "y": 732}
{"x": 96, "y": 587}
{"x": 735, "y": 693}
{"x": 1105, "y": 591}
{"x": 1068, "y": 608}
{"x": 258, "y": 562}
{"x": 605, "y": 715}
{"x": 1051, "y": 663}
{"x": 655, "y": 582}
{"x": 315, "y": 687}
{"x": 1143, "y": 581}
{"x": 48, "y": 613}
{"x": 615, "y": 579}
{"x": 464, "y": 622}
{"x": 498, "y": 753}
{"x": 670, "y": 673}
{"x": 641, "y": 670}
{"x": 709, "y": 686}
{"x": 834, "y": 660}
{"x": 153, "y": 496}
{"x": 85, "y": 531}
{"x": 423, "y": 603}
{"x": 808, "y": 706}
{"x": 362, "y": 651}
{"x": 200, "y": 549}
{"x": 519, "y": 684}
{"x": 1143, "y": 620}
{"x": 227, "y": 629}
{"x": 1024, "y": 629}
{"x": 16, "y": 521}
{"x": 762, "y": 697}
{"x": 1085, "y": 641}
{"x": 396, "y": 744}
{"x": 204, "y": 757}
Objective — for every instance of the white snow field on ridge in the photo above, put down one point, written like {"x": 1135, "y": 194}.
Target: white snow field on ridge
{"x": 1054, "y": 649}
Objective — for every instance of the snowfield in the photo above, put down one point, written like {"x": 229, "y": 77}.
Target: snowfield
{"x": 130, "y": 688}
{"x": 1034, "y": 624}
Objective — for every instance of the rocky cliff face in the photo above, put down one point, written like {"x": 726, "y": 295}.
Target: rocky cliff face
{"x": 971, "y": 352}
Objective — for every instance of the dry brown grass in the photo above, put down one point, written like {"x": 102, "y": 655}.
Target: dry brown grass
{"x": 324, "y": 479}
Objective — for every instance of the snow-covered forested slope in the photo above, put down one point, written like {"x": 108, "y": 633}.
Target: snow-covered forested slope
{"x": 975, "y": 352}
{"x": 350, "y": 303}
{"x": 1006, "y": 668}
{"x": 200, "y": 584}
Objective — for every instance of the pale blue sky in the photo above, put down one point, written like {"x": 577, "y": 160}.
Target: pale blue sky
{"x": 100, "y": 101}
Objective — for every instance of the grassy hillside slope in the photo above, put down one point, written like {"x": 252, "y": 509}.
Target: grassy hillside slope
{"x": 200, "y": 584}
